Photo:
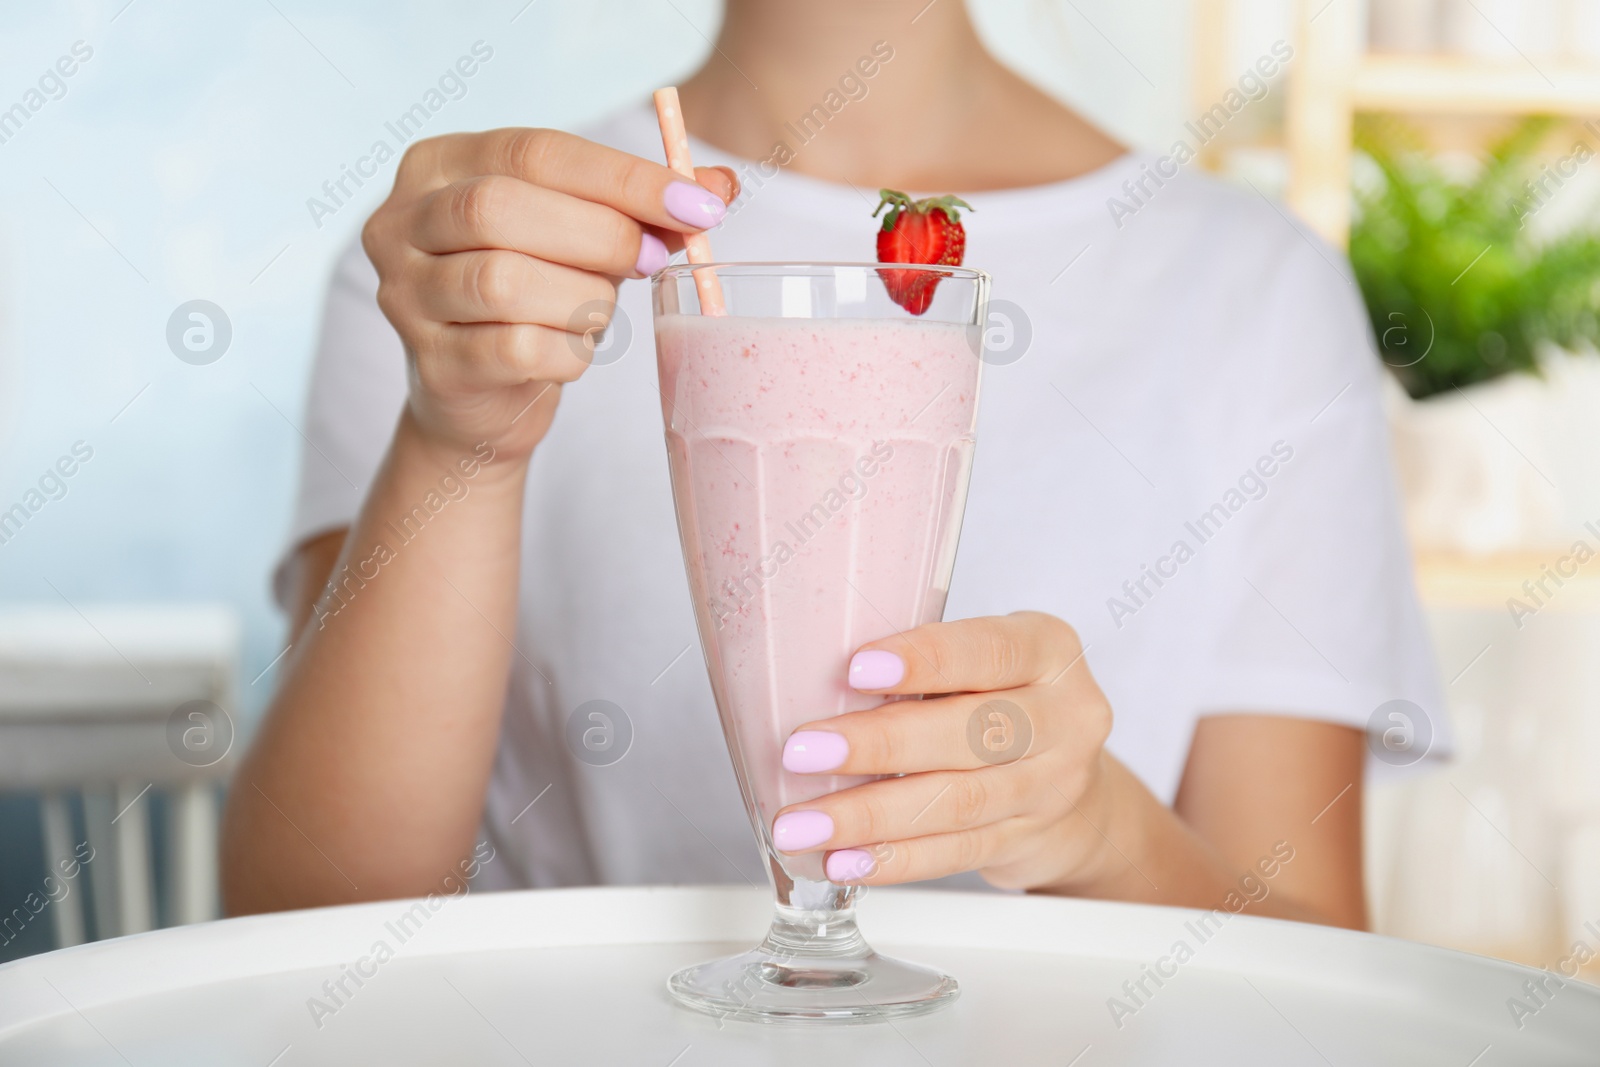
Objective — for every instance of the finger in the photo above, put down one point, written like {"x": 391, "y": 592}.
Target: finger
{"x": 492, "y": 211}
{"x": 965, "y": 731}
{"x": 995, "y": 652}
{"x": 637, "y": 187}
{"x": 922, "y": 858}
{"x": 895, "y": 809}
{"x": 720, "y": 180}
{"x": 671, "y": 238}
{"x": 501, "y": 286}
{"x": 485, "y": 355}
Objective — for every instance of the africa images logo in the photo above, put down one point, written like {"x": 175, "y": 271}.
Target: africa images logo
{"x": 405, "y": 127}
{"x": 1252, "y": 485}
{"x": 1253, "y": 86}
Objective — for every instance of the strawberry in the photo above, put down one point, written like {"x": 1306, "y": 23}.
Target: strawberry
{"x": 918, "y": 231}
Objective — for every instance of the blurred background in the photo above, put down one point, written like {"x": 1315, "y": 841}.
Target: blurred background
{"x": 161, "y": 270}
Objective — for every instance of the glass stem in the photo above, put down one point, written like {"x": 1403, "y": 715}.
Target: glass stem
{"x": 815, "y": 920}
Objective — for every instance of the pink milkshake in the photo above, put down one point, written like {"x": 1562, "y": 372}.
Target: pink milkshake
{"x": 820, "y": 436}
{"x": 819, "y": 468}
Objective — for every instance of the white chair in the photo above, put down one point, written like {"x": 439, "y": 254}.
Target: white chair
{"x": 89, "y": 704}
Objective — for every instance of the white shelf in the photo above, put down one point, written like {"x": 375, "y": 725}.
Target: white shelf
{"x": 1475, "y": 87}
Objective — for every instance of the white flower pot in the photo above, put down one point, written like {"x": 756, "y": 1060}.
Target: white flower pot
{"x": 1504, "y": 466}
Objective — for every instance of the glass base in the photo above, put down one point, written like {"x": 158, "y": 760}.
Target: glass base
{"x": 808, "y": 972}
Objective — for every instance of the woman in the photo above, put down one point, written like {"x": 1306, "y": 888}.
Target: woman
{"x": 1187, "y": 463}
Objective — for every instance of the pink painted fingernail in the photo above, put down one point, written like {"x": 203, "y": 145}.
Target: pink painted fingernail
{"x": 850, "y": 865}
{"x": 652, "y": 255}
{"x": 797, "y": 831}
{"x": 810, "y": 751}
{"x": 695, "y": 204}
{"x": 876, "y": 669}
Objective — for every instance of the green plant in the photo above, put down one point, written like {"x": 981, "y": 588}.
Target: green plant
{"x": 1448, "y": 268}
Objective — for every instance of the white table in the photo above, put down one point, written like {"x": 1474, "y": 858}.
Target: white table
{"x": 578, "y": 977}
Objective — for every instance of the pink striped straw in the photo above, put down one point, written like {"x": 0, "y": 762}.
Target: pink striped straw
{"x": 675, "y": 139}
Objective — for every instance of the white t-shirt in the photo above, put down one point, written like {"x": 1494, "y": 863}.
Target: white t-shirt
{"x": 1181, "y": 451}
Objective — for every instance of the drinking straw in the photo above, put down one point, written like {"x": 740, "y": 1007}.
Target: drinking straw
{"x": 675, "y": 139}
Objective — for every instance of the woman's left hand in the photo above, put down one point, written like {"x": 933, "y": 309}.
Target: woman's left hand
{"x": 1005, "y": 775}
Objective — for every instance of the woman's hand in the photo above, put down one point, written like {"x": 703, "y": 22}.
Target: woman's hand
{"x": 498, "y": 256}
{"x": 1004, "y": 775}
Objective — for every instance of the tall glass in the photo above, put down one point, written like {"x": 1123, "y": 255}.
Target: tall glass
{"x": 820, "y": 439}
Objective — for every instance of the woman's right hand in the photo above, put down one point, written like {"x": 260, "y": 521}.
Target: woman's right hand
{"x": 498, "y": 258}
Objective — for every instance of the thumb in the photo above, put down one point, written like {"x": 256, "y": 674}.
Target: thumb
{"x": 720, "y": 180}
